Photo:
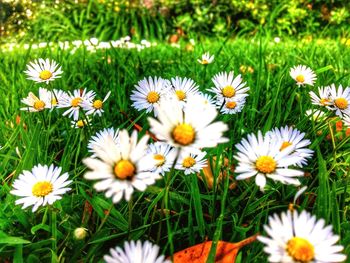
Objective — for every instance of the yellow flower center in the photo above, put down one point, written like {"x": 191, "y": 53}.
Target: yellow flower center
{"x": 184, "y": 134}
{"x": 300, "y": 78}
{"x": 205, "y": 62}
{"x": 231, "y": 105}
{"x": 188, "y": 162}
{"x": 76, "y": 101}
{"x": 265, "y": 164}
{"x": 41, "y": 189}
{"x": 180, "y": 94}
{"x": 300, "y": 249}
{"x": 324, "y": 101}
{"x": 124, "y": 169}
{"x": 39, "y": 105}
{"x": 285, "y": 145}
{"x": 97, "y": 104}
{"x": 228, "y": 91}
{"x": 159, "y": 159}
{"x": 80, "y": 123}
{"x": 152, "y": 97}
{"x": 341, "y": 103}
{"x": 45, "y": 74}
{"x": 53, "y": 102}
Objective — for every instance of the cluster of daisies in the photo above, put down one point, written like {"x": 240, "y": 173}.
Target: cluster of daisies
{"x": 121, "y": 162}
{"x": 330, "y": 98}
{"x": 229, "y": 92}
{"x": 78, "y": 104}
{"x": 91, "y": 45}
{"x": 333, "y": 99}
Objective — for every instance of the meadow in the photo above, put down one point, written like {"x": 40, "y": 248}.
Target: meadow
{"x": 179, "y": 210}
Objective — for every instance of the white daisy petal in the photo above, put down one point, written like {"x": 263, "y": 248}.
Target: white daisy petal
{"x": 206, "y": 59}
{"x": 229, "y": 91}
{"x": 43, "y": 71}
{"x": 303, "y": 75}
{"x": 118, "y": 164}
{"x": 339, "y": 100}
{"x": 294, "y": 237}
{"x": 36, "y": 187}
{"x": 189, "y": 128}
{"x": 148, "y": 93}
{"x": 135, "y": 252}
{"x": 263, "y": 156}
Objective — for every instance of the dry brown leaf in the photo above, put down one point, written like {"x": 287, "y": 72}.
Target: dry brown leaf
{"x": 225, "y": 253}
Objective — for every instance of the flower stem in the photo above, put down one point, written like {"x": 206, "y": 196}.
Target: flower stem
{"x": 54, "y": 234}
{"x": 165, "y": 202}
{"x": 130, "y": 206}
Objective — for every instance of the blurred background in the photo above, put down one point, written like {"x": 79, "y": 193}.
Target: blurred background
{"x": 170, "y": 20}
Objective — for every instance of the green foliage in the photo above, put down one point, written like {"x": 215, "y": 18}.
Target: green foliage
{"x": 279, "y": 17}
{"x": 110, "y": 19}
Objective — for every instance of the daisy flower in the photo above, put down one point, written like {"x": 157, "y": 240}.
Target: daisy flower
{"x": 340, "y": 100}
{"x": 324, "y": 98}
{"x": 121, "y": 168}
{"x": 43, "y": 70}
{"x": 206, "y": 59}
{"x": 81, "y": 123}
{"x": 164, "y": 156}
{"x": 43, "y": 185}
{"x": 288, "y": 137}
{"x": 36, "y": 104}
{"x": 295, "y": 238}
{"x": 136, "y": 252}
{"x": 148, "y": 93}
{"x": 182, "y": 89}
{"x": 101, "y": 138}
{"x": 95, "y": 106}
{"x": 230, "y": 106}
{"x": 229, "y": 87}
{"x": 260, "y": 156}
{"x": 190, "y": 128}
{"x": 74, "y": 101}
{"x": 303, "y": 75}
{"x": 191, "y": 163}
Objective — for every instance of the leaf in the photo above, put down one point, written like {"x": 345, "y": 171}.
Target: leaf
{"x": 225, "y": 253}
{"x": 323, "y": 69}
{"x": 8, "y": 240}
{"x": 40, "y": 227}
{"x": 323, "y": 188}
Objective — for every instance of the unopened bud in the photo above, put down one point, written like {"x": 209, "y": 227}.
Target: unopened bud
{"x": 80, "y": 233}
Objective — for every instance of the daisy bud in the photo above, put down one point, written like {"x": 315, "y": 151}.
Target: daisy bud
{"x": 80, "y": 233}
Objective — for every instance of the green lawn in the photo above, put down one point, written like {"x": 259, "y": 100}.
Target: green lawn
{"x": 196, "y": 212}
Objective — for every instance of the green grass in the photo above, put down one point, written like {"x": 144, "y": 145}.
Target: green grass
{"x": 197, "y": 212}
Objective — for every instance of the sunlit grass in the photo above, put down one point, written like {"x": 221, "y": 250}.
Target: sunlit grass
{"x": 179, "y": 211}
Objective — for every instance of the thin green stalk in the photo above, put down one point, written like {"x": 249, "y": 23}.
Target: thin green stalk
{"x": 54, "y": 234}
{"x": 218, "y": 230}
{"x": 130, "y": 208}
{"x": 105, "y": 218}
{"x": 42, "y": 115}
{"x": 165, "y": 203}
